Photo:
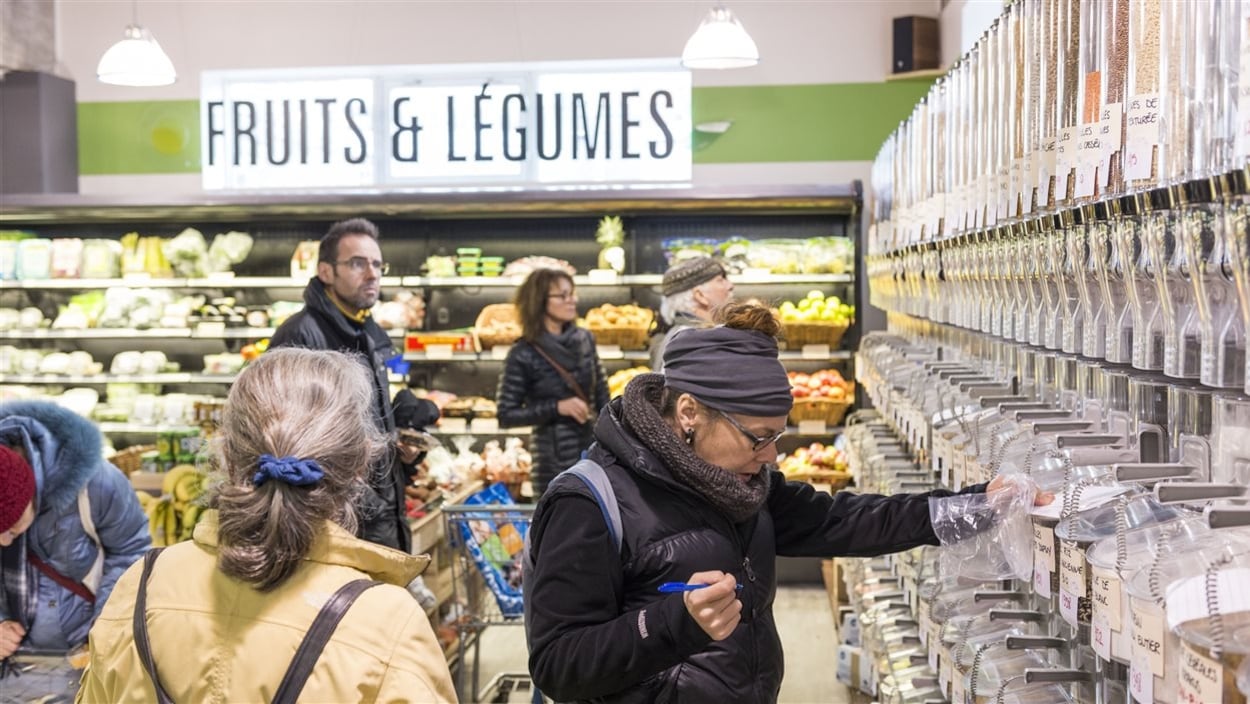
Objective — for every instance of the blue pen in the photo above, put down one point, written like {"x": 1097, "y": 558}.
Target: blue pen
{"x": 674, "y": 587}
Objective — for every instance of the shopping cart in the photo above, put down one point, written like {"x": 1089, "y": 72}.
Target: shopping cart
{"x": 486, "y": 535}
{"x": 38, "y": 676}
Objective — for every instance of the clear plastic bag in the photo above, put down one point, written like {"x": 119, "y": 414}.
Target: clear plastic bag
{"x": 986, "y": 536}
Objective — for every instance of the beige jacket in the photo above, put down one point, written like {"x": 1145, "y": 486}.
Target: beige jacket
{"x": 216, "y": 639}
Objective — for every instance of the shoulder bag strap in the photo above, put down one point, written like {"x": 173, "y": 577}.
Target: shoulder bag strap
{"x": 96, "y": 575}
{"x": 564, "y": 374}
{"x": 142, "y": 644}
{"x": 596, "y": 480}
{"x": 315, "y": 641}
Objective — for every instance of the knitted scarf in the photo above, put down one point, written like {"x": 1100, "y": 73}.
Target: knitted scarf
{"x": 640, "y": 411}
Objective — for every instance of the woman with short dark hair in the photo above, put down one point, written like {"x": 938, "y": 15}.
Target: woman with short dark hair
{"x": 552, "y": 379}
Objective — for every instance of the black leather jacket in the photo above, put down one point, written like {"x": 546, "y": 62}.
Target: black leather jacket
{"x": 529, "y": 390}
{"x": 599, "y": 630}
{"x": 322, "y": 326}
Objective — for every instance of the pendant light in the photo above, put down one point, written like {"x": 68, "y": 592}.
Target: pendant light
{"x": 720, "y": 42}
{"x": 136, "y": 60}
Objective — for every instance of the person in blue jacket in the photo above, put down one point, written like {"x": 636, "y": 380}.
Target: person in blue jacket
{"x": 70, "y": 525}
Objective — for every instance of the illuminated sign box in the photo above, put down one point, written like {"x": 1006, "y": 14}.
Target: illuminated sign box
{"x": 507, "y": 125}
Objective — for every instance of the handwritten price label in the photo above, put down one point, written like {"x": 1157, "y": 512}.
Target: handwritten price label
{"x": 1148, "y": 643}
{"x": 1141, "y": 682}
{"x": 1101, "y": 638}
{"x": 1201, "y": 680}
{"x": 1068, "y": 605}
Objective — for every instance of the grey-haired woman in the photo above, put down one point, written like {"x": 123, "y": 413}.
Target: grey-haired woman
{"x": 220, "y": 618}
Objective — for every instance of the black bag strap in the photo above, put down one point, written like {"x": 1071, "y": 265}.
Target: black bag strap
{"x": 315, "y": 641}
{"x": 142, "y": 644}
{"x": 305, "y": 657}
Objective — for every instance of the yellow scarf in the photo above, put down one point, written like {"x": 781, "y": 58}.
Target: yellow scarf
{"x": 360, "y": 317}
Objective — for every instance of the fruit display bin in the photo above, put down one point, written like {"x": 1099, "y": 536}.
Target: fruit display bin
{"x": 627, "y": 338}
{"x": 497, "y": 324}
{"x": 813, "y": 333}
{"x": 830, "y": 411}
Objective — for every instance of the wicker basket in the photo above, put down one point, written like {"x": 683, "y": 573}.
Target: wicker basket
{"x": 625, "y": 337}
{"x": 130, "y": 459}
{"x": 497, "y": 324}
{"x": 831, "y": 412}
{"x": 799, "y": 334}
{"x": 836, "y": 480}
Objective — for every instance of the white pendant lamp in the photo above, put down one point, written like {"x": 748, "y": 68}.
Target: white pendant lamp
{"x": 720, "y": 42}
{"x": 136, "y": 60}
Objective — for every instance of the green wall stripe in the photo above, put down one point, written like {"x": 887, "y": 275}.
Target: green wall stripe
{"x": 141, "y": 137}
{"x": 823, "y": 122}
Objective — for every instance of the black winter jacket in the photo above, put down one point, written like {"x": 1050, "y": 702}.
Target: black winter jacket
{"x": 529, "y": 390}
{"x": 322, "y": 326}
{"x": 599, "y": 631}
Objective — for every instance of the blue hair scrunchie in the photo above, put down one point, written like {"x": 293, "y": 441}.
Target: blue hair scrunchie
{"x": 289, "y": 470}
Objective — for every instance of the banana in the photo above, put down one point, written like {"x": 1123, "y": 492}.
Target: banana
{"x": 188, "y": 487}
{"x": 145, "y": 500}
{"x": 173, "y": 476}
{"x": 190, "y": 517}
{"x": 156, "y": 522}
{"x": 171, "y": 525}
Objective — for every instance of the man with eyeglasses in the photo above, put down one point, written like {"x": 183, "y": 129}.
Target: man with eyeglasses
{"x": 336, "y": 316}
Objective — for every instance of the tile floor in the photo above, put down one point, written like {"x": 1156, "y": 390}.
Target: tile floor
{"x": 804, "y": 620}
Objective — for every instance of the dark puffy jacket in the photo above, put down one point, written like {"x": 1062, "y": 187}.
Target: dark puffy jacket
{"x": 599, "y": 631}
{"x": 322, "y": 326}
{"x": 529, "y": 390}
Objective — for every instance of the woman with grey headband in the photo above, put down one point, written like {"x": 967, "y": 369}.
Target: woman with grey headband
{"x": 690, "y": 455}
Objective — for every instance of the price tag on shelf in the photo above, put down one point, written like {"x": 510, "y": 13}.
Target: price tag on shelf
{"x": 439, "y": 351}
{"x": 754, "y": 275}
{"x": 136, "y": 276}
{"x": 210, "y": 329}
{"x": 500, "y": 351}
{"x": 484, "y": 425}
{"x": 815, "y": 352}
{"x": 610, "y": 352}
{"x": 602, "y": 277}
{"x": 453, "y": 425}
{"x": 813, "y": 427}
{"x": 221, "y": 277}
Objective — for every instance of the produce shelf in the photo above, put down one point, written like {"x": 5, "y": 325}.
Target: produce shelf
{"x": 167, "y": 378}
{"x": 198, "y": 333}
{"x": 110, "y": 428}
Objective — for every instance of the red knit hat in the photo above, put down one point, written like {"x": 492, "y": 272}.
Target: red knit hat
{"x": 17, "y": 487}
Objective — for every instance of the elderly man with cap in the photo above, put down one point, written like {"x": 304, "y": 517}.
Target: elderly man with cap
{"x": 682, "y": 609}
{"x": 70, "y": 525}
{"x": 692, "y": 290}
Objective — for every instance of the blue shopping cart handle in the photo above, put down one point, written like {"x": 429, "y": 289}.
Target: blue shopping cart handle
{"x": 675, "y": 587}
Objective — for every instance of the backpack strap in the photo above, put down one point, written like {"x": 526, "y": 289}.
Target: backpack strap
{"x": 315, "y": 641}
{"x": 142, "y": 643}
{"x": 596, "y": 480}
{"x": 305, "y": 657}
{"x": 96, "y": 575}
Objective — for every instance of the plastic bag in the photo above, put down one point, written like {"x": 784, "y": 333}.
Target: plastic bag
{"x": 986, "y": 537}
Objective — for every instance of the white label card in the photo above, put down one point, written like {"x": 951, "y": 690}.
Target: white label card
{"x": 817, "y": 352}
{"x": 1141, "y": 682}
{"x": 1044, "y": 547}
{"x": 453, "y": 425}
{"x": 1141, "y": 135}
{"x": 1106, "y": 596}
{"x": 1068, "y": 603}
{"x": 813, "y": 427}
{"x": 959, "y": 693}
{"x": 500, "y": 351}
{"x": 438, "y": 351}
{"x": 1201, "y": 679}
{"x": 1148, "y": 639}
{"x": 601, "y": 276}
{"x": 484, "y": 425}
{"x": 1100, "y": 638}
{"x": 1072, "y": 568}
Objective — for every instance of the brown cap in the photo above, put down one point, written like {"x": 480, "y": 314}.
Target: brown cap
{"x": 689, "y": 274}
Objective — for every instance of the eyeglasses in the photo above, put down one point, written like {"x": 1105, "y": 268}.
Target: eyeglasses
{"x": 757, "y": 443}
{"x": 360, "y": 265}
{"x": 566, "y": 296}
